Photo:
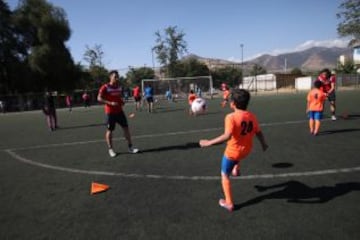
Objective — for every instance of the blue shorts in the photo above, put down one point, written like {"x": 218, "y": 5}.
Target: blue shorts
{"x": 112, "y": 119}
{"x": 316, "y": 115}
{"x": 227, "y": 165}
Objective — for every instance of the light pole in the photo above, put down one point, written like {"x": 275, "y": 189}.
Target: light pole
{"x": 242, "y": 54}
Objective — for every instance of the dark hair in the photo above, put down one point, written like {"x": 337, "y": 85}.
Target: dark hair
{"x": 241, "y": 98}
{"x": 113, "y": 72}
{"x": 317, "y": 84}
{"x": 326, "y": 71}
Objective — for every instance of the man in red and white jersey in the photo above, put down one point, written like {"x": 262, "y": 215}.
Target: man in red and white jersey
{"x": 328, "y": 81}
{"x": 111, "y": 95}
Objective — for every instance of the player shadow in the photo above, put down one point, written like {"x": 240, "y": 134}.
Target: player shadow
{"x": 297, "y": 192}
{"x": 338, "y": 131}
{"x": 81, "y": 126}
{"x": 186, "y": 146}
{"x": 282, "y": 165}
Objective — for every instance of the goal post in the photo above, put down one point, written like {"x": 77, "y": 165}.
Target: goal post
{"x": 180, "y": 86}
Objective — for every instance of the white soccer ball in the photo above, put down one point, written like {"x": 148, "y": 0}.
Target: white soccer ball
{"x": 198, "y": 105}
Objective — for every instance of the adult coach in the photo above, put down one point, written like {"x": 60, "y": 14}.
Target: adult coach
{"x": 110, "y": 95}
{"x": 328, "y": 81}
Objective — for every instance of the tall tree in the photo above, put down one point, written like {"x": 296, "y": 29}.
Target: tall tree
{"x": 12, "y": 53}
{"x": 350, "y": 21}
{"x": 98, "y": 73}
{"x": 45, "y": 29}
{"x": 135, "y": 75}
{"x": 169, "y": 46}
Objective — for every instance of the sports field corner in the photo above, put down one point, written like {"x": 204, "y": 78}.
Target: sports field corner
{"x": 303, "y": 187}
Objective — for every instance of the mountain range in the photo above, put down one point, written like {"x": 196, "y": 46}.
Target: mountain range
{"x": 310, "y": 59}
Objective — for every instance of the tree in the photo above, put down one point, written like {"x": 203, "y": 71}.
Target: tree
{"x": 135, "y": 75}
{"x": 350, "y": 24}
{"x": 296, "y": 71}
{"x": 168, "y": 48}
{"x": 98, "y": 73}
{"x": 229, "y": 75}
{"x": 44, "y": 30}
{"x": 191, "y": 67}
{"x": 94, "y": 56}
{"x": 12, "y": 52}
{"x": 347, "y": 67}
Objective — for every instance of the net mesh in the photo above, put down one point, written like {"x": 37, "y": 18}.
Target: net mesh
{"x": 180, "y": 87}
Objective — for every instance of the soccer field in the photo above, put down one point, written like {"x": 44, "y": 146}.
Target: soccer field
{"x": 303, "y": 187}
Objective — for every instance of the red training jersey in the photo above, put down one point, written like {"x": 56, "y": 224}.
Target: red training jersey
{"x": 136, "y": 91}
{"x": 326, "y": 82}
{"x": 112, "y": 94}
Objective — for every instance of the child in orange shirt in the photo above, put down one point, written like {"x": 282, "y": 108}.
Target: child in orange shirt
{"x": 315, "y": 106}
{"x": 191, "y": 98}
{"x": 240, "y": 128}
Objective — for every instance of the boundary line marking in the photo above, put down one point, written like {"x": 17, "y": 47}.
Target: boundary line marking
{"x": 18, "y": 157}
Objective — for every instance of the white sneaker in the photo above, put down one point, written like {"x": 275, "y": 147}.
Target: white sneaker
{"x": 333, "y": 117}
{"x": 133, "y": 150}
{"x": 112, "y": 153}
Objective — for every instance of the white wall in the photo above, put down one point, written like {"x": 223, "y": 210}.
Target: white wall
{"x": 304, "y": 83}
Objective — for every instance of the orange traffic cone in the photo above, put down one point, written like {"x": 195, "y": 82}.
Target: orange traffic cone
{"x": 98, "y": 188}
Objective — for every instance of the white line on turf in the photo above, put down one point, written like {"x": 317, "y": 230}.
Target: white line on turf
{"x": 16, "y": 156}
{"x": 153, "y": 176}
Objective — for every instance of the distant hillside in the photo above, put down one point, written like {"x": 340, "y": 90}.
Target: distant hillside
{"x": 314, "y": 58}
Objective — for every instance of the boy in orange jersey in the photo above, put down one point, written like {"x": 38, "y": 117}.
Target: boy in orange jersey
{"x": 240, "y": 128}
{"x": 191, "y": 98}
{"x": 226, "y": 95}
{"x": 315, "y": 106}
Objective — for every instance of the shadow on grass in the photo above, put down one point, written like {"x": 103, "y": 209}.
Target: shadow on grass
{"x": 81, "y": 126}
{"x": 338, "y": 131}
{"x": 297, "y": 192}
{"x": 186, "y": 146}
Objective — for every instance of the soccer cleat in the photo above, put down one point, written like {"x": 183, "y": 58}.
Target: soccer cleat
{"x": 333, "y": 117}
{"x": 229, "y": 207}
{"x": 133, "y": 150}
{"x": 112, "y": 153}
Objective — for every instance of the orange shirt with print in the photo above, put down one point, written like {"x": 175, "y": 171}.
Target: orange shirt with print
{"x": 242, "y": 125}
{"x": 191, "y": 98}
{"x": 315, "y": 100}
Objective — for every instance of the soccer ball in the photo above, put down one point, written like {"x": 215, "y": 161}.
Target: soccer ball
{"x": 198, "y": 106}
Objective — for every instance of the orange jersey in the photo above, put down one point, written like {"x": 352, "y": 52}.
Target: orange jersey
{"x": 191, "y": 98}
{"x": 315, "y": 100}
{"x": 242, "y": 125}
{"x": 226, "y": 94}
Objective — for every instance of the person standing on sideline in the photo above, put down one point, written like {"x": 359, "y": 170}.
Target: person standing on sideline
{"x": 328, "y": 81}
{"x": 240, "y": 128}
{"x": 110, "y": 95}
{"x": 86, "y": 99}
{"x": 68, "y": 100}
{"x": 149, "y": 96}
{"x": 50, "y": 111}
{"x": 315, "y": 106}
{"x": 137, "y": 97}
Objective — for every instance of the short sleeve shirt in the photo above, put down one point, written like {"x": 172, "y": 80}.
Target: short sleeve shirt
{"x": 242, "y": 125}
{"x": 112, "y": 94}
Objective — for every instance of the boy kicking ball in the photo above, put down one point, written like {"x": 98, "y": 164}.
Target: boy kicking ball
{"x": 240, "y": 128}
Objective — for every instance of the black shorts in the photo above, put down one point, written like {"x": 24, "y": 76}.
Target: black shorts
{"x": 137, "y": 99}
{"x": 150, "y": 99}
{"x": 112, "y": 119}
{"x": 332, "y": 96}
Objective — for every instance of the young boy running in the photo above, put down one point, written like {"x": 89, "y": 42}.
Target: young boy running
{"x": 240, "y": 128}
{"x": 315, "y": 106}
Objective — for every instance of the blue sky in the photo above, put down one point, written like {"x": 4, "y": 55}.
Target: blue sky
{"x": 215, "y": 29}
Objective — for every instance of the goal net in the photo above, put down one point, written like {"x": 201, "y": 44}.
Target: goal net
{"x": 180, "y": 86}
